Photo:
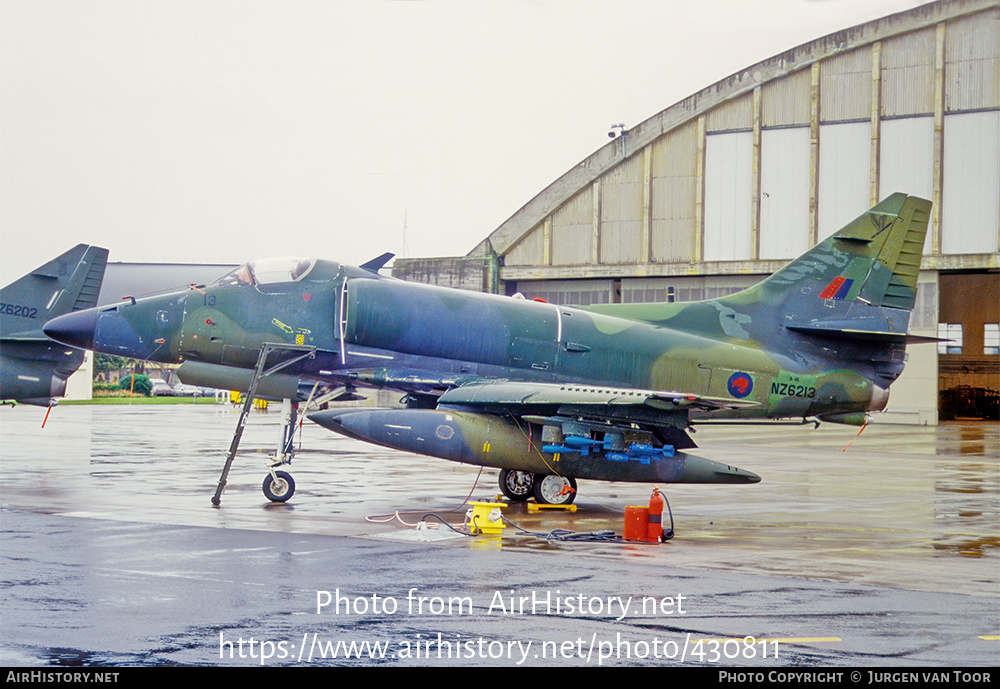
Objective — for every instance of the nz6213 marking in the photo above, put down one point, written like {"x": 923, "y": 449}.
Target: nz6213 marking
{"x": 792, "y": 390}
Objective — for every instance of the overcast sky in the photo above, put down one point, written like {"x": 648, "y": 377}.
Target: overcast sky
{"x": 217, "y": 131}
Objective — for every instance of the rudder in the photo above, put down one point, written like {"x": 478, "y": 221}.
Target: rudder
{"x": 891, "y": 236}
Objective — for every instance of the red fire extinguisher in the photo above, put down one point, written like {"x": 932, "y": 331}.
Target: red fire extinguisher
{"x": 654, "y": 533}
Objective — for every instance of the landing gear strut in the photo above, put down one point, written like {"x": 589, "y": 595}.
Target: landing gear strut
{"x": 278, "y": 485}
{"x": 284, "y": 452}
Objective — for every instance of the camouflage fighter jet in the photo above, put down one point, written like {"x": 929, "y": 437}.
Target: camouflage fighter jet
{"x": 547, "y": 393}
{"x": 33, "y": 368}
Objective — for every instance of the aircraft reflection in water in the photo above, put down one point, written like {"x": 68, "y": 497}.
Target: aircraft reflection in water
{"x": 33, "y": 368}
{"x": 549, "y": 393}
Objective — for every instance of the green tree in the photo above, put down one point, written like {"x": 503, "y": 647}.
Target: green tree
{"x": 141, "y": 386}
{"x": 106, "y": 363}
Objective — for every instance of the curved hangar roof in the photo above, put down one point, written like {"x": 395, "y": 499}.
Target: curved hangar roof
{"x": 756, "y": 168}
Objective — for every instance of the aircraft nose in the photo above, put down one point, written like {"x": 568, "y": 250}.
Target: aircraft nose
{"x": 75, "y": 329}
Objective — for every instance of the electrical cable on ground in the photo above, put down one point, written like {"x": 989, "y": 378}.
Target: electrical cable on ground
{"x": 565, "y": 535}
{"x": 385, "y": 518}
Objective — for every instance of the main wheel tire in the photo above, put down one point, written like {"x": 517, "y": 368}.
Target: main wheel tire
{"x": 550, "y": 489}
{"x": 279, "y": 490}
{"x": 518, "y": 486}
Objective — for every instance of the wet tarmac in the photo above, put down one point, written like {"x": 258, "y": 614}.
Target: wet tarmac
{"x": 875, "y": 550}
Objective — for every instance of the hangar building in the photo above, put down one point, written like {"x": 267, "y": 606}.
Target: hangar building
{"x": 723, "y": 188}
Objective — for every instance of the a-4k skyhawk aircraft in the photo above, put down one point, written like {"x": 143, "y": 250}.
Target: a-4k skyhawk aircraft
{"x": 547, "y": 393}
{"x": 33, "y": 368}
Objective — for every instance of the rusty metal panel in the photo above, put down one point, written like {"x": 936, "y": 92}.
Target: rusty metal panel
{"x": 784, "y": 192}
{"x": 844, "y": 165}
{"x": 728, "y": 190}
{"x": 970, "y": 202}
{"x": 846, "y": 86}
{"x": 972, "y": 62}
{"x": 529, "y": 251}
{"x": 573, "y": 229}
{"x": 621, "y": 212}
{"x": 786, "y": 101}
{"x": 674, "y": 185}
{"x": 908, "y": 74}
{"x": 733, "y": 115}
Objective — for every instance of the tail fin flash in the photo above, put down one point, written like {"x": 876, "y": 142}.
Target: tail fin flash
{"x": 891, "y": 242}
{"x": 861, "y": 282}
{"x": 69, "y": 282}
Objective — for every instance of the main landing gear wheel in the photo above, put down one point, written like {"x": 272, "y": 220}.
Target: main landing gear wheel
{"x": 550, "y": 489}
{"x": 517, "y": 485}
{"x": 280, "y": 489}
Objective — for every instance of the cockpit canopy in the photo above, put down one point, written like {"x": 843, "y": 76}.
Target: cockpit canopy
{"x": 268, "y": 271}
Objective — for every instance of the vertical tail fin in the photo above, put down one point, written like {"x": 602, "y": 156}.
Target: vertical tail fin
{"x": 891, "y": 238}
{"x": 69, "y": 282}
{"x": 861, "y": 281}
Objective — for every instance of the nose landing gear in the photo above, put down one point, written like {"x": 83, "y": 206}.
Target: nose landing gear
{"x": 277, "y": 483}
{"x": 278, "y": 486}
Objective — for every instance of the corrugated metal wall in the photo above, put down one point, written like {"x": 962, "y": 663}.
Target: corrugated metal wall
{"x": 972, "y": 62}
{"x": 724, "y": 186}
{"x": 573, "y": 230}
{"x": 674, "y": 195}
{"x": 786, "y": 101}
{"x": 971, "y": 165}
{"x": 846, "y": 87}
{"x": 622, "y": 196}
{"x": 527, "y": 251}
{"x": 908, "y": 74}
{"x": 734, "y": 115}
{"x": 971, "y": 183}
{"x": 784, "y": 163}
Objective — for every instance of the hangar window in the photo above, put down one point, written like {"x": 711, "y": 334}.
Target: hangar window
{"x": 991, "y": 338}
{"x": 953, "y": 333}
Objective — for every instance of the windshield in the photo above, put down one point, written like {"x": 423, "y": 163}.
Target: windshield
{"x": 268, "y": 271}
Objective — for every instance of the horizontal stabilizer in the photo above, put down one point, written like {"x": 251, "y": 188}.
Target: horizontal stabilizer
{"x": 377, "y": 263}
{"x": 867, "y": 335}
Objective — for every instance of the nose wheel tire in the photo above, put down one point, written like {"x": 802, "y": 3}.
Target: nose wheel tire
{"x": 550, "y": 489}
{"x": 518, "y": 486}
{"x": 280, "y": 487}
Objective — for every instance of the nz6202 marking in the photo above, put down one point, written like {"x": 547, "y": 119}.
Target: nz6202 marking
{"x": 19, "y": 310}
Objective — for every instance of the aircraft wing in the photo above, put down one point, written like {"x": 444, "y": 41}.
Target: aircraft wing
{"x": 601, "y": 408}
{"x": 516, "y": 393}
